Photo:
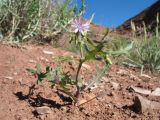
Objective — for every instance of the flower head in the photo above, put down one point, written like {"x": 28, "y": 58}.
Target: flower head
{"x": 79, "y": 26}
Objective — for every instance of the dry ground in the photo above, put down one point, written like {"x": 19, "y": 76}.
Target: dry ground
{"x": 113, "y": 105}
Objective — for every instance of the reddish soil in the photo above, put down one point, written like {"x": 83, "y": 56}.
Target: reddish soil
{"x": 113, "y": 105}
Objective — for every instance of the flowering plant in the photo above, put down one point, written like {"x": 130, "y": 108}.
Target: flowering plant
{"x": 89, "y": 50}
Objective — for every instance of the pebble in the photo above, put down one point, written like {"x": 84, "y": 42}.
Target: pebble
{"x": 47, "y": 52}
{"x": 9, "y": 77}
{"x": 43, "y": 110}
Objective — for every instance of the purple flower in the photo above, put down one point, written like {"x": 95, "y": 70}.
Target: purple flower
{"x": 79, "y": 26}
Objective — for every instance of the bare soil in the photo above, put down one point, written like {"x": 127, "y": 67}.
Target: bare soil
{"x": 115, "y": 103}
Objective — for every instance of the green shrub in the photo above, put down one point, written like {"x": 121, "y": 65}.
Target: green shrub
{"x": 146, "y": 50}
{"x": 146, "y": 53}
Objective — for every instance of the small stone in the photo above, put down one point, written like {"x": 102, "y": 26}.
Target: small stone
{"x": 23, "y": 119}
{"x": 9, "y": 77}
{"x": 122, "y": 72}
{"x": 43, "y": 110}
{"x": 64, "y": 109}
{"x": 32, "y": 61}
{"x": 15, "y": 73}
{"x": 105, "y": 79}
{"x": 145, "y": 76}
{"x": 47, "y": 52}
{"x": 156, "y": 92}
{"x": 139, "y": 90}
{"x": 93, "y": 87}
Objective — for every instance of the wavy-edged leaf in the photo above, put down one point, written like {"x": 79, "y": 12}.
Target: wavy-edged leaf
{"x": 122, "y": 50}
{"x": 92, "y": 54}
{"x": 99, "y": 74}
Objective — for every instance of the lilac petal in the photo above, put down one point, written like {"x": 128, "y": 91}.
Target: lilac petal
{"x": 74, "y": 26}
{"x": 86, "y": 26}
{"x": 79, "y": 26}
{"x": 75, "y": 21}
{"x": 76, "y": 30}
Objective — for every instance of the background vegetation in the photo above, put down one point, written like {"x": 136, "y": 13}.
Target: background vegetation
{"x": 21, "y": 20}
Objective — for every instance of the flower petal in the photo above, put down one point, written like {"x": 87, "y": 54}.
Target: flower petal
{"x": 76, "y": 30}
{"x": 79, "y": 26}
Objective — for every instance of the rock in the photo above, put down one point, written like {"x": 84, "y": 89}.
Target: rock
{"x": 64, "y": 109}
{"x": 139, "y": 90}
{"x": 23, "y": 119}
{"x": 15, "y": 73}
{"x": 43, "y": 110}
{"x": 93, "y": 87}
{"x": 145, "y": 76}
{"x": 105, "y": 79}
{"x": 122, "y": 72}
{"x": 141, "y": 104}
{"x": 156, "y": 92}
{"x": 32, "y": 61}
{"x": 9, "y": 77}
{"x": 47, "y": 52}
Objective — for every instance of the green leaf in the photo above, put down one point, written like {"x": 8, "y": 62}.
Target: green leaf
{"x": 105, "y": 35}
{"x": 99, "y": 74}
{"x": 48, "y": 69}
{"x": 49, "y": 76}
{"x": 91, "y": 19}
{"x": 91, "y": 42}
{"x": 92, "y": 54}
{"x": 38, "y": 69}
{"x": 33, "y": 72}
{"x": 122, "y": 50}
{"x": 41, "y": 77}
{"x": 108, "y": 60}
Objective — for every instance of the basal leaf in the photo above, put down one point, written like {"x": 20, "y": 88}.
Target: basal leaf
{"x": 38, "y": 68}
{"x": 33, "y": 72}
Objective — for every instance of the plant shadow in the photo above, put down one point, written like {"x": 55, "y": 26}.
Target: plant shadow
{"x": 40, "y": 101}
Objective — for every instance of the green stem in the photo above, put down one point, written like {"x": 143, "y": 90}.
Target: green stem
{"x": 79, "y": 68}
{"x": 77, "y": 76}
{"x": 81, "y": 51}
